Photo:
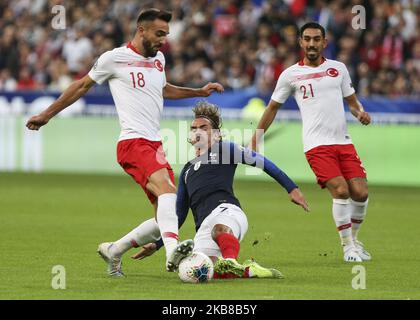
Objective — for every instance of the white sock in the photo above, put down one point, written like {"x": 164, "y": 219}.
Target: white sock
{"x": 168, "y": 221}
{"x": 145, "y": 233}
{"x": 358, "y": 214}
{"x": 342, "y": 218}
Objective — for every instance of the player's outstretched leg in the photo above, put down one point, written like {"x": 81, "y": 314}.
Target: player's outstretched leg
{"x": 113, "y": 261}
{"x": 229, "y": 248}
{"x": 112, "y": 252}
{"x": 230, "y": 266}
{"x": 182, "y": 250}
{"x": 257, "y": 271}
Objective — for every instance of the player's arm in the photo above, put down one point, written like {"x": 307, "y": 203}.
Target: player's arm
{"x": 76, "y": 90}
{"x": 349, "y": 95}
{"x": 254, "y": 159}
{"x": 266, "y": 120}
{"x": 357, "y": 109}
{"x": 174, "y": 92}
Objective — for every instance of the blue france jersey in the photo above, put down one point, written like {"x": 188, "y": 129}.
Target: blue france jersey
{"x": 207, "y": 181}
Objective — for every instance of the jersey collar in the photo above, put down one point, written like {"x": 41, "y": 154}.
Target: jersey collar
{"x": 301, "y": 63}
{"x": 130, "y": 46}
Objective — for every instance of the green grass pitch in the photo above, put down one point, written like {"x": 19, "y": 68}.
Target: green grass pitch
{"x": 48, "y": 220}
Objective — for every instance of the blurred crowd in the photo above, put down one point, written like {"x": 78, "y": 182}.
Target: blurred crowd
{"x": 239, "y": 43}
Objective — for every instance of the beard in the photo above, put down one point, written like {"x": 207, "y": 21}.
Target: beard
{"x": 149, "y": 50}
{"x": 312, "y": 55}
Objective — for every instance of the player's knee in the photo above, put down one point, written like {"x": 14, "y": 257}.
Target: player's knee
{"x": 360, "y": 195}
{"x": 342, "y": 192}
{"x": 219, "y": 229}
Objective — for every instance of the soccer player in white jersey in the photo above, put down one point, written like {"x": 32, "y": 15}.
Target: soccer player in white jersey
{"x": 319, "y": 86}
{"x": 136, "y": 76}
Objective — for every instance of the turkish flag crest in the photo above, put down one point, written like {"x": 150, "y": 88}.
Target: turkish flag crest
{"x": 332, "y": 72}
{"x": 158, "y": 65}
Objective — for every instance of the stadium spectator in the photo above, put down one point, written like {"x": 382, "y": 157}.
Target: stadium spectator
{"x": 240, "y": 43}
{"x": 77, "y": 47}
{"x": 7, "y": 82}
{"x": 25, "y": 80}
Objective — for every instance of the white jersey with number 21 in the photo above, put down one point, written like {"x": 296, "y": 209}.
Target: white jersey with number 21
{"x": 319, "y": 93}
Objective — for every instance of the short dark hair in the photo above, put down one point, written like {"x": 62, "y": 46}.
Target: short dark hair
{"x": 151, "y": 14}
{"x": 209, "y": 111}
{"x": 312, "y": 25}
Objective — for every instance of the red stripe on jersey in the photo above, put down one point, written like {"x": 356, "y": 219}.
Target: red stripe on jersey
{"x": 356, "y": 221}
{"x": 310, "y": 76}
{"x": 344, "y": 226}
{"x": 141, "y": 64}
{"x": 170, "y": 235}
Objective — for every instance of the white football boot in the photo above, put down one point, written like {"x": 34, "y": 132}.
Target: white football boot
{"x": 182, "y": 250}
{"x": 362, "y": 251}
{"x": 351, "y": 254}
{"x": 114, "y": 263}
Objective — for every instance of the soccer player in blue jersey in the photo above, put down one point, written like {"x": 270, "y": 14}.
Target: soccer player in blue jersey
{"x": 206, "y": 186}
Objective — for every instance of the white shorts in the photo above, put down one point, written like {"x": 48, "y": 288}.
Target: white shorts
{"x": 227, "y": 214}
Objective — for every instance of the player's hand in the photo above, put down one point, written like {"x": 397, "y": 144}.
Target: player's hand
{"x": 364, "y": 118}
{"x": 37, "y": 122}
{"x": 210, "y": 87}
{"x": 145, "y": 251}
{"x": 296, "y": 196}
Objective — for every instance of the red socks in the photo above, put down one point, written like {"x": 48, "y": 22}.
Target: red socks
{"x": 229, "y": 245}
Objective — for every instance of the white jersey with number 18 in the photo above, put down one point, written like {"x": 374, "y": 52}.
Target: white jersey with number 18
{"x": 319, "y": 93}
{"x": 136, "y": 84}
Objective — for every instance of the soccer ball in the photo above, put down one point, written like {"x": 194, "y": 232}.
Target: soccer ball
{"x": 196, "y": 268}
